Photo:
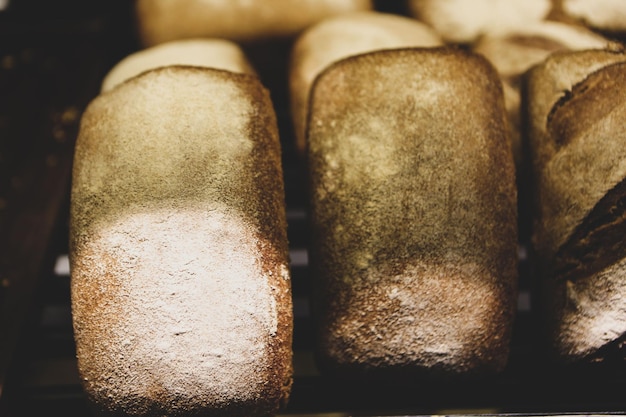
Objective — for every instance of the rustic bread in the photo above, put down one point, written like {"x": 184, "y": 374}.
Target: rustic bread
{"x": 250, "y": 21}
{"x": 180, "y": 285}
{"x": 212, "y": 53}
{"x": 463, "y": 21}
{"x": 413, "y": 215}
{"x": 341, "y": 36}
{"x": 576, "y": 109}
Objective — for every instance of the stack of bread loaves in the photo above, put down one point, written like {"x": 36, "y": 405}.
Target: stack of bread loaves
{"x": 181, "y": 294}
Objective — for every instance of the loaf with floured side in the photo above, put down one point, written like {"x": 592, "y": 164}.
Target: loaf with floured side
{"x": 576, "y": 109}
{"x": 413, "y": 215}
{"x": 180, "y": 284}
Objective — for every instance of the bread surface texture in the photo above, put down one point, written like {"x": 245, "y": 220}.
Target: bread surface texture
{"x": 240, "y": 21}
{"x": 342, "y": 36}
{"x": 212, "y": 53}
{"x": 577, "y": 135}
{"x": 179, "y": 262}
{"x": 413, "y": 214}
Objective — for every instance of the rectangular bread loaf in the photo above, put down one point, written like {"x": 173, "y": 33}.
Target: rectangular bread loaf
{"x": 179, "y": 261}
{"x": 413, "y": 214}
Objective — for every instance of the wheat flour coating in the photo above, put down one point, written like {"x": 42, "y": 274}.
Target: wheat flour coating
{"x": 576, "y": 113}
{"x": 179, "y": 261}
{"x": 240, "y": 21}
{"x": 341, "y": 36}
{"x": 413, "y": 214}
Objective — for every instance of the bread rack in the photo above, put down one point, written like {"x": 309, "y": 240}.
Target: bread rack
{"x": 53, "y": 56}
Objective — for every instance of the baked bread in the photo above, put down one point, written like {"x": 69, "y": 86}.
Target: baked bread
{"x": 464, "y": 21}
{"x": 604, "y": 15}
{"x": 212, "y": 53}
{"x": 341, "y": 36}
{"x": 576, "y": 109}
{"x": 250, "y": 21}
{"x": 180, "y": 285}
{"x": 514, "y": 52}
{"x": 413, "y": 215}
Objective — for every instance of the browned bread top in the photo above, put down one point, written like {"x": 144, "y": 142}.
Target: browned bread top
{"x": 338, "y": 37}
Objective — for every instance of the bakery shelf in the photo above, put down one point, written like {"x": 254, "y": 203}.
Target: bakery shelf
{"x": 53, "y": 56}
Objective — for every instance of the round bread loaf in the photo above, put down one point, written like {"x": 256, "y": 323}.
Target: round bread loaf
{"x": 241, "y": 21}
{"x": 413, "y": 215}
{"x": 576, "y": 109}
{"x": 212, "y": 53}
{"x": 180, "y": 285}
{"x": 341, "y": 36}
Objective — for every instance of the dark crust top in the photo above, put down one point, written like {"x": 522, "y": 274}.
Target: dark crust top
{"x": 439, "y": 188}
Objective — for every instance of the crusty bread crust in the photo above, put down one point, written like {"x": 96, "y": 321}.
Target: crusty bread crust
{"x": 578, "y": 142}
{"x": 413, "y": 211}
{"x": 179, "y": 261}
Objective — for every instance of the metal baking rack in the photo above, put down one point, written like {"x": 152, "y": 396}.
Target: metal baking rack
{"x": 53, "y": 56}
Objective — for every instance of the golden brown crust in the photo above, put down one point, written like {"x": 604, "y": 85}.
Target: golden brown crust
{"x": 413, "y": 210}
{"x": 578, "y": 139}
{"x": 181, "y": 294}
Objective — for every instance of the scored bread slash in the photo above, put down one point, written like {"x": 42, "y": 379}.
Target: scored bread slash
{"x": 413, "y": 215}
{"x": 578, "y": 147}
{"x": 181, "y": 293}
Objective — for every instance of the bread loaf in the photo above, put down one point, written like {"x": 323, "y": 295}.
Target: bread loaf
{"x": 464, "y": 21}
{"x": 341, "y": 36}
{"x": 240, "y": 21}
{"x": 576, "y": 109}
{"x": 212, "y": 53}
{"x": 180, "y": 285}
{"x": 413, "y": 215}
{"x": 605, "y": 15}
